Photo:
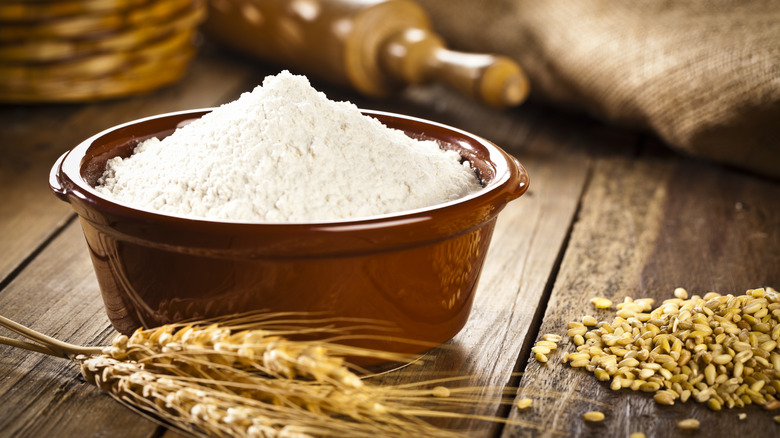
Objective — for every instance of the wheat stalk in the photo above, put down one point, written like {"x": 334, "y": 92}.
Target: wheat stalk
{"x": 245, "y": 377}
{"x": 196, "y": 406}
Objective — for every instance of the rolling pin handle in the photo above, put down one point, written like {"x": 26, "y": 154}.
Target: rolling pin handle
{"x": 418, "y": 56}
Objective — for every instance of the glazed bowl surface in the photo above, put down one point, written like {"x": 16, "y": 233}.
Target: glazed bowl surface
{"x": 417, "y": 270}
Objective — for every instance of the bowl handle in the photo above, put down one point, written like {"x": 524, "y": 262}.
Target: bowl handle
{"x": 54, "y": 179}
{"x": 520, "y": 175}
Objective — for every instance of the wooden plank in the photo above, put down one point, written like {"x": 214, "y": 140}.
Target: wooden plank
{"x": 42, "y": 395}
{"x": 645, "y": 227}
{"x": 32, "y": 137}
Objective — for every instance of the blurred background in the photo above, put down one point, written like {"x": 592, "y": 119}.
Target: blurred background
{"x": 702, "y": 76}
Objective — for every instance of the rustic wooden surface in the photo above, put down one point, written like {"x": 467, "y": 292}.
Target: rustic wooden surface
{"x": 609, "y": 213}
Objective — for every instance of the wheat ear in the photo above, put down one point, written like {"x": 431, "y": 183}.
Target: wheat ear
{"x": 203, "y": 410}
{"x": 249, "y": 379}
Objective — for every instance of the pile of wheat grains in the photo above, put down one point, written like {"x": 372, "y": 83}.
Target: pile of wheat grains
{"x": 720, "y": 350}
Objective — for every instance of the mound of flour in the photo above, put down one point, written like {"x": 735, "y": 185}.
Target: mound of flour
{"x": 285, "y": 153}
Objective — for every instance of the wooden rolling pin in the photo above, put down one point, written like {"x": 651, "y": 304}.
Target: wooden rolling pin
{"x": 375, "y": 46}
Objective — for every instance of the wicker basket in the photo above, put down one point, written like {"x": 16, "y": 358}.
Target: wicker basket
{"x": 84, "y": 50}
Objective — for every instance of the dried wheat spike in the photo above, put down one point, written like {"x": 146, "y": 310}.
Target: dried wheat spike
{"x": 262, "y": 350}
{"x": 242, "y": 409}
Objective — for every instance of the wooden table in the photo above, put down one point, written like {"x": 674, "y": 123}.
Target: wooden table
{"x": 610, "y": 213}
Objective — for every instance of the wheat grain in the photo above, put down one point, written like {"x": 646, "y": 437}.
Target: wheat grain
{"x": 524, "y": 403}
{"x": 688, "y": 424}
{"x": 544, "y": 347}
{"x": 721, "y": 350}
{"x": 601, "y": 303}
{"x": 593, "y": 416}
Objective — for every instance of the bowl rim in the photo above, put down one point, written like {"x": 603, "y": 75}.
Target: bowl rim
{"x": 66, "y": 181}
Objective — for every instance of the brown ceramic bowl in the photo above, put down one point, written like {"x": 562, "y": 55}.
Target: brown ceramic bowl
{"x": 417, "y": 269}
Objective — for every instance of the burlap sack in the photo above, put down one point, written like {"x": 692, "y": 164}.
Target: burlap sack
{"x": 702, "y": 74}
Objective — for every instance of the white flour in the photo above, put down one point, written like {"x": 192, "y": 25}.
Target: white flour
{"x": 285, "y": 153}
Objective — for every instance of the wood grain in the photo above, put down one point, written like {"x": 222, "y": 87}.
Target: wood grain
{"x": 43, "y": 395}
{"x": 646, "y": 227}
